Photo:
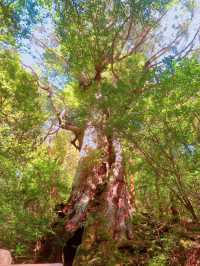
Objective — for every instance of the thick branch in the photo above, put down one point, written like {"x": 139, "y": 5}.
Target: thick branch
{"x": 63, "y": 122}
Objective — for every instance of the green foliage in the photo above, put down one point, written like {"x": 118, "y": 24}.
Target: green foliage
{"x": 17, "y": 18}
{"x": 29, "y": 193}
{"x": 160, "y": 260}
{"x": 20, "y": 119}
{"x": 95, "y": 31}
{"x": 167, "y": 138}
{"x": 20, "y": 108}
{"x": 32, "y": 176}
{"x": 28, "y": 201}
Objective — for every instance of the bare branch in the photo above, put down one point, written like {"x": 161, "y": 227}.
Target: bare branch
{"x": 162, "y": 51}
{"x": 51, "y": 131}
{"x": 189, "y": 45}
{"x": 60, "y": 115}
{"x": 53, "y": 51}
{"x": 137, "y": 45}
{"x": 142, "y": 38}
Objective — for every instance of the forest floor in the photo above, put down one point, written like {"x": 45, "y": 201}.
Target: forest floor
{"x": 157, "y": 243}
{"x": 165, "y": 243}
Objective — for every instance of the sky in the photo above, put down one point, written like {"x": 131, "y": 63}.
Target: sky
{"x": 32, "y": 51}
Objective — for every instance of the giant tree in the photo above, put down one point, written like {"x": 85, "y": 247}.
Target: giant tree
{"x": 108, "y": 50}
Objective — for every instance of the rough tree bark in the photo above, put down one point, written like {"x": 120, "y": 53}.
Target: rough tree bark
{"x": 100, "y": 200}
{"x": 98, "y": 212}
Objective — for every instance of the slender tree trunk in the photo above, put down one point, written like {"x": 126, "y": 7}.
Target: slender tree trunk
{"x": 100, "y": 201}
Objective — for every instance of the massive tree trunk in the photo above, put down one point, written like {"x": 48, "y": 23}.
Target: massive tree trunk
{"x": 99, "y": 201}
